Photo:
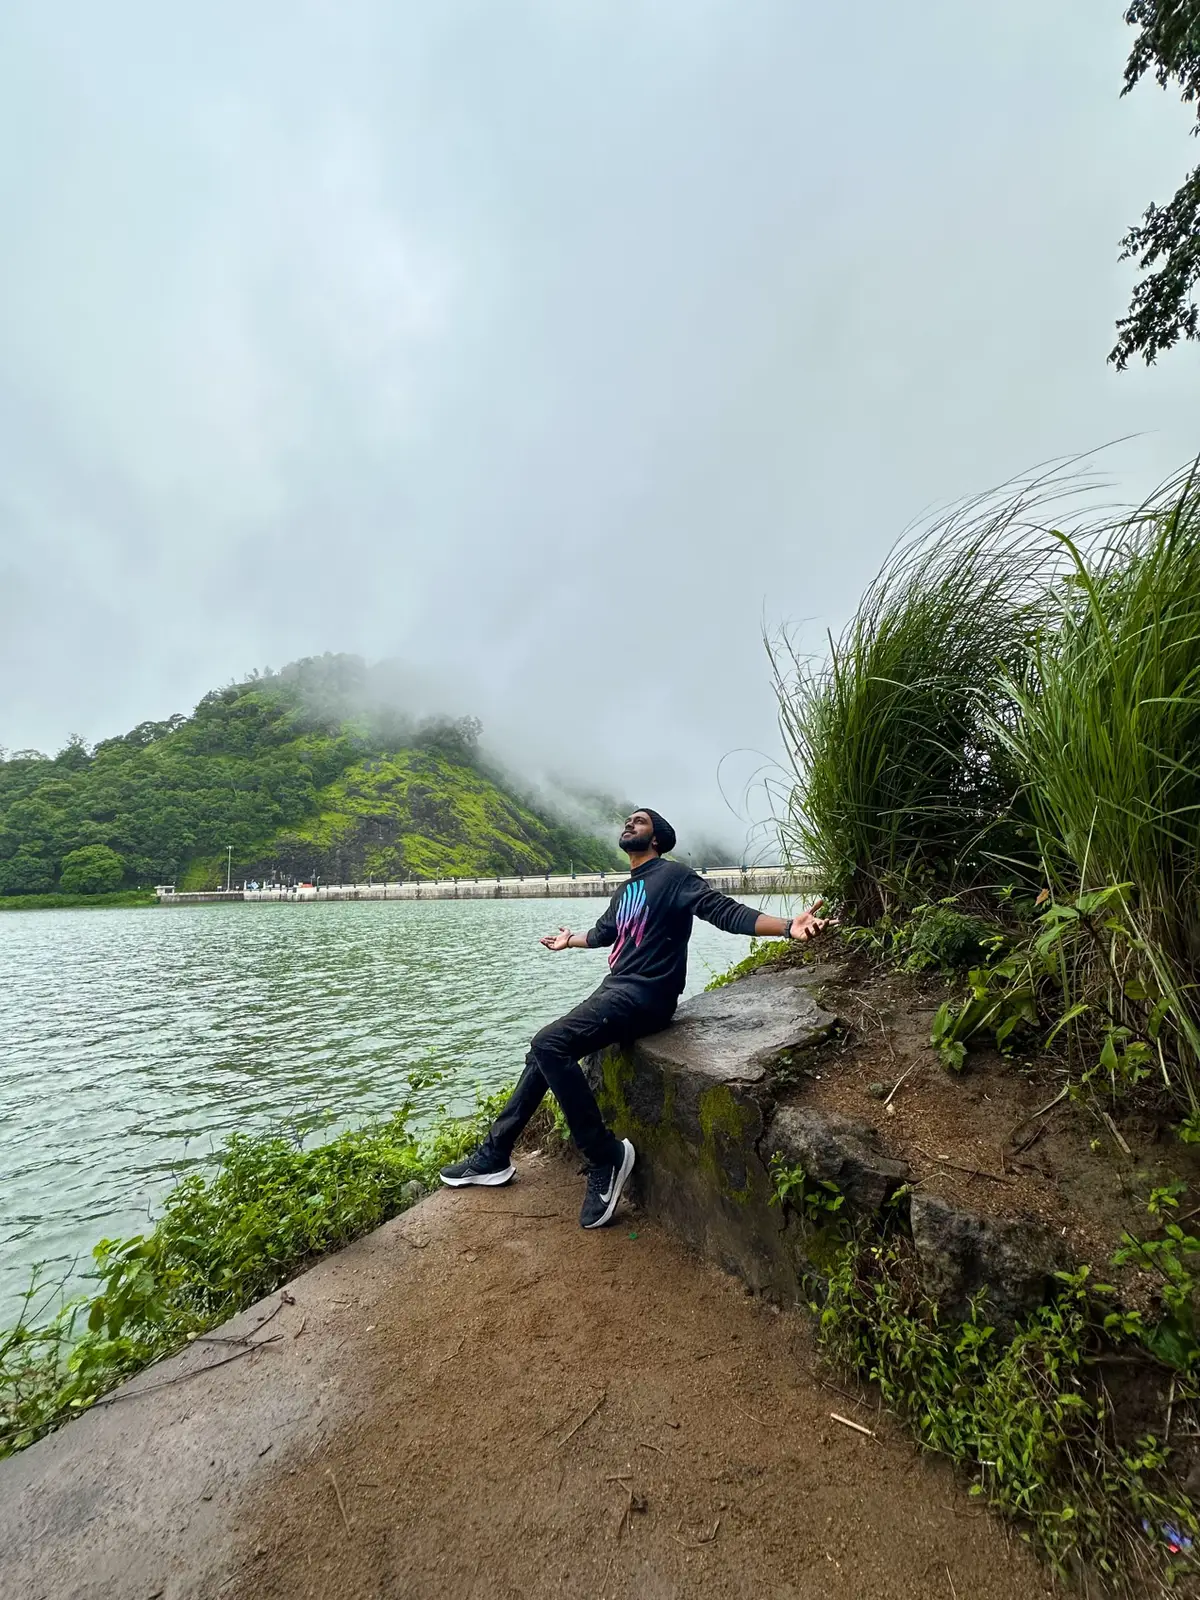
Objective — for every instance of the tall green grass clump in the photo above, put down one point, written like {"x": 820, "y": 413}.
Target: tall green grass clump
{"x": 1106, "y": 736}
{"x": 902, "y": 786}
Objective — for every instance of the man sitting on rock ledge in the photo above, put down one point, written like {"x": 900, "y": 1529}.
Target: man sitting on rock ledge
{"x": 648, "y": 924}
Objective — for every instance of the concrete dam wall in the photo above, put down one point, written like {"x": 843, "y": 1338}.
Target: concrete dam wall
{"x": 738, "y": 881}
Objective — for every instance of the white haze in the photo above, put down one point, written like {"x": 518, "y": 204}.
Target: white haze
{"x": 551, "y": 348}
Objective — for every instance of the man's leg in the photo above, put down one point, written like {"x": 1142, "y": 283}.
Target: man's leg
{"x": 517, "y": 1113}
{"x": 606, "y": 1017}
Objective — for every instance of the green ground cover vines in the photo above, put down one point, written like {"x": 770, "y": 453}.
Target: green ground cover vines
{"x": 225, "y": 1239}
{"x": 764, "y": 953}
{"x": 1025, "y": 1411}
{"x": 308, "y": 772}
{"x": 1022, "y": 1407}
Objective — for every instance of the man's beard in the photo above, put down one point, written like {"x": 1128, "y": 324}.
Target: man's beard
{"x": 634, "y": 843}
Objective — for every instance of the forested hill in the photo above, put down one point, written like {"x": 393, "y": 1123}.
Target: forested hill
{"x": 301, "y": 771}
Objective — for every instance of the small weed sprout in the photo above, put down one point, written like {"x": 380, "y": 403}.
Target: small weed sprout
{"x": 815, "y": 1198}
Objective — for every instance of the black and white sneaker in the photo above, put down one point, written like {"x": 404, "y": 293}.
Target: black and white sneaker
{"x": 604, "y": 1185}
{"x": 479, "y": 1167}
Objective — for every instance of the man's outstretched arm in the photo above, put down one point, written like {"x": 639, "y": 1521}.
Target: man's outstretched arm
{"x": 731, "y": 916}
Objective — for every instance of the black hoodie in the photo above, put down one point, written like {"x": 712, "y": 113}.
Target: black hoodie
{"x": 649, "y": 922}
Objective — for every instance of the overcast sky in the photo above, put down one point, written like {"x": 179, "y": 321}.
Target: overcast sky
{"x": 550, "y": 346}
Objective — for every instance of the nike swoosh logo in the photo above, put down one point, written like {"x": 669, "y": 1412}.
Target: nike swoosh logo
{"x": 607, "y": 1197}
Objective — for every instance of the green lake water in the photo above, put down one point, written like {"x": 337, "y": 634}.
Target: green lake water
{"x": 132, "y": 1042}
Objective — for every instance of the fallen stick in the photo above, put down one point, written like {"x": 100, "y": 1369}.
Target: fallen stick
{"x": 285, "y": 1299}
{"x": 975, "y": 1172}
{"x": 900, "y": 1080}
{"x": 694, "y": 1544}
{"x": 854, "y": 1399}
{"x": 248, "y": 1350}
{"x": 502, "y": 1211}
{"x": 453, "y": 1352}
{"x": 587, "y": 1417}
{"x": 857, "y": 1426}
{"x": 340, "y": 1501}
{"x": 625, "y": 1525}
{"x": 1116, "y": 1133}
{"x": 1032, "y": 1117}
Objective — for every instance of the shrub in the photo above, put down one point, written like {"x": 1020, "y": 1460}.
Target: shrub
{"x": 1021, "y": 1409}
{"x": 25, "y": 873}
{"x": 902, "y": 785}
{"x": 93, "y": 870}
{"x": 225, "y": 1239}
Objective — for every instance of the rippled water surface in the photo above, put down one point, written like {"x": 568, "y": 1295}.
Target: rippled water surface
{"x": 132, "y": 1041}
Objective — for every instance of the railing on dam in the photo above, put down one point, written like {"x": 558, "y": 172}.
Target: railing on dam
{"x": 548, "y": 886}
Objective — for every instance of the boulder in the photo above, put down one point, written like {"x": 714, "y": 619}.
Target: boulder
{"x": 961, "y": 1252}
{"x": 737, "y": 1031}
{"x": 838, "y": 1150}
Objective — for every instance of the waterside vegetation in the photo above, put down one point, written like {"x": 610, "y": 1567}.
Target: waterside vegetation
{"x": 225, "y": 1238}
{"x": 120, "y": 899}
{"x": 1009, "y": 729}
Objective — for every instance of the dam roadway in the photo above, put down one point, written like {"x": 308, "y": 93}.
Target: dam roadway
{"x": 737, "y": 881}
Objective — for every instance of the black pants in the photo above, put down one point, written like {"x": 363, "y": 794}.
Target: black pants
{"x": 613, "y": 1015}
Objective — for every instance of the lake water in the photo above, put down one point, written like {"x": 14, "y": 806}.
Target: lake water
{"x": 133, "y": 1042}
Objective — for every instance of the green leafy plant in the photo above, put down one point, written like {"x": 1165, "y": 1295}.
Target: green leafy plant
{"x": 94, "y": 869}
{"x": 765, "y": 954}
{"x": 934, "y": 937}
{"x": 903, "y": 790}
{"x": 817, "y": 1198}
{"x": 1000, "y": 1002}
{"x": 1022, "y": 1411}
{"x": 941, "y": 938}
{"x": 1174, "y": 1260}
{"x": 1104, "y": 729}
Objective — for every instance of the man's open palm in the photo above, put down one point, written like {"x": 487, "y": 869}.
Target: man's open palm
{"x": 807, "y": 925}
{"x": 557, "y": 941}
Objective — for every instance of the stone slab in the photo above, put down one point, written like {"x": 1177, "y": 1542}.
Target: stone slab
{"x": 735, "y": 1032}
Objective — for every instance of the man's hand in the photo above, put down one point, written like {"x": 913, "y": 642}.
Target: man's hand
{"x": 807, "y": 925}
{"x": 557, "y": 941}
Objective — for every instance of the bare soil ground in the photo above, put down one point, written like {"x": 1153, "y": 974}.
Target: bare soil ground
{"x": 974, "y": 1138}
{"x": 535, "y": 1411}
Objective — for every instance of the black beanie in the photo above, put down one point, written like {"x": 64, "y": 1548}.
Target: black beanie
{"x": 664, "y": 833}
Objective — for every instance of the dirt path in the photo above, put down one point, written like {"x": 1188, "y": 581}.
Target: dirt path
{"x": 528, "y": 1410}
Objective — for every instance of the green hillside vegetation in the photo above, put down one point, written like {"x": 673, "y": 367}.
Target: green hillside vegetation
{"x": 299, "y": 771}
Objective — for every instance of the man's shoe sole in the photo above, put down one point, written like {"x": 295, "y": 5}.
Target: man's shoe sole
{"x": 627, "y": 1160}
{"x": 492, "y": 1180}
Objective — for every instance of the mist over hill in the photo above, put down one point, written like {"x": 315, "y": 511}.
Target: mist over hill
{"x": 317, "y": 771}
